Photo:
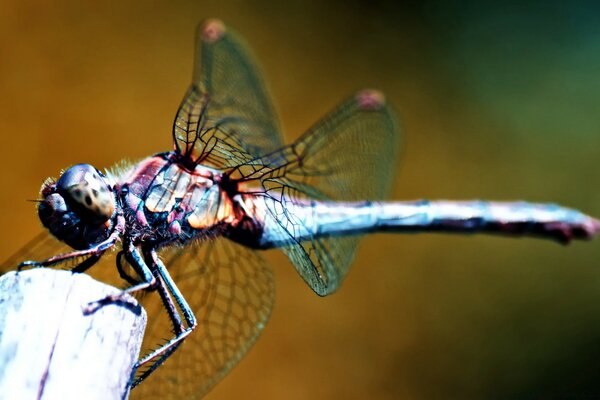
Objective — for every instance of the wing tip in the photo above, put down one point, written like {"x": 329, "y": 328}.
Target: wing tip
{"x": 212, "y": 30}
{"x": 370, "y": 99}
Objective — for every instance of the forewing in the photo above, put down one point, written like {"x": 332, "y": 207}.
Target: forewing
{"x": 231, "y": 290}
{"x": 226, "y": 117}
{"x": 348, "y": 156}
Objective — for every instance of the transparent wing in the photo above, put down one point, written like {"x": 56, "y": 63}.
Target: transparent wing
{"x": 231, "y": 291}
{"x": 349, "y": 155}
{"x": 229, "y": 287}
{"x": 226, "y": 117}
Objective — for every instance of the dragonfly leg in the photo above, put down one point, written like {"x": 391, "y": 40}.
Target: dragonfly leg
{"x": 124, "y": 275}
{"x": 94, "y": 252}
{"x": 133, "y": 256}
{"x": 166, "y": 287}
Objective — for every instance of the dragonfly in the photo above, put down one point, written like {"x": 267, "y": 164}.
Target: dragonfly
{"x": 186, "y": 224}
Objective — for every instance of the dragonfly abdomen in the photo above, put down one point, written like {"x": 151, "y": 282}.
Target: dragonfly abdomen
{"x": 303, "y": 221}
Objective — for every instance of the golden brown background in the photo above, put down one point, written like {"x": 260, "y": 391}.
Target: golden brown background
{"x": 498, "y": 102}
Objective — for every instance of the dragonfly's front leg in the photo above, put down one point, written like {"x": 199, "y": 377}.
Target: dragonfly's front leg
{"x": 133, "y": 256}
{"x": 166, "y": 287}
{"x": 93, "y": 253}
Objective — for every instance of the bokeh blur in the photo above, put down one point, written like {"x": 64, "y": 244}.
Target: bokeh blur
{"x": 498, "y": 101}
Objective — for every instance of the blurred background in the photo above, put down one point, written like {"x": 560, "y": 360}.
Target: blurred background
{"x": 498, "y": 101}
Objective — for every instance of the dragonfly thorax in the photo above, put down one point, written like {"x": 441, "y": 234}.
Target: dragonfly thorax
{"x": 165, "y": 201}
{"x": 78, "y": 208}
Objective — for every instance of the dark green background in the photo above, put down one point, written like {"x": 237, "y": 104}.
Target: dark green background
{"x": 498, "y": 102}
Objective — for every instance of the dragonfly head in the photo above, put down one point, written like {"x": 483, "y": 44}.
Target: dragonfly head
{"x": 78, "y": 208}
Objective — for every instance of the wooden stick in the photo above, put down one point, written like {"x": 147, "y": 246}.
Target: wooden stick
{"x": 50, "y": 350}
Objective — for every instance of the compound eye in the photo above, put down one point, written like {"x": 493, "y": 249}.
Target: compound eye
{"x": 83, "y": 186}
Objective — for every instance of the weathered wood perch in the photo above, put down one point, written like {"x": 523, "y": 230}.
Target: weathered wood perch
{"x": 50, "y": 350}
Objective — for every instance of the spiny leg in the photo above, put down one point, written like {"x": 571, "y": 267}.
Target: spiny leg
{"x": 133, "y": 256}
{"x": 124, "y": 275}
{"x": 166, "y": 285}
{"x": 94, "y": 252}
{"x": 188, "y": 314}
